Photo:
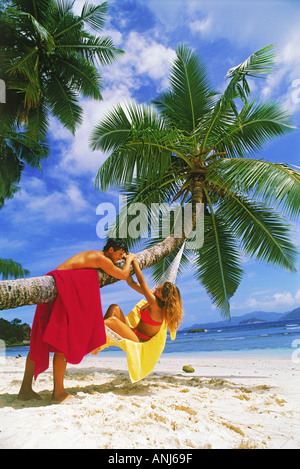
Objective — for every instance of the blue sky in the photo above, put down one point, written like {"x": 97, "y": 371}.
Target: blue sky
{"x": 54, "y": 216}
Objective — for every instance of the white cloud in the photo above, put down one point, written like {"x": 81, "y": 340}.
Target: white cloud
{"x": 144, "y": 59}
{"x": 202, "y": 26}
{"x": 278, "y": 301}
{"x": 245, "y": 24}
{"x": 285, "y": 81}
{"x": 48, "y": 206}
{"x": 77, "y": 158}
{"x": 148, "y": 56}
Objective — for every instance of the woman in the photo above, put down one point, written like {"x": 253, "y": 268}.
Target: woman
{"x": 163, "y": 303}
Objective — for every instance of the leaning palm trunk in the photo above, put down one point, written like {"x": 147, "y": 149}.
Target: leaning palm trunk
{"x": 32, "y": 291}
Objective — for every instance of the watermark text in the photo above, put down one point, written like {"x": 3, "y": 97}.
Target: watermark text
{"x": 296, "y": 93}
{"x": 136, "y": 220}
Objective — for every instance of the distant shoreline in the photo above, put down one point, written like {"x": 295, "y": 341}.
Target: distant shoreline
{"x": 19, "y": 344}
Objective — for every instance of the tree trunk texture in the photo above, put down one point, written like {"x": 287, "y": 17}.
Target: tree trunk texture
{"x": 35, "y": 290}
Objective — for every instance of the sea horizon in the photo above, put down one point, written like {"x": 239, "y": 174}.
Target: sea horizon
{"x": 274, "y": 339}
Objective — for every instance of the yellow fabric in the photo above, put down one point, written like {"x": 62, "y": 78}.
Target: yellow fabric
{"x": 141, "y": 356}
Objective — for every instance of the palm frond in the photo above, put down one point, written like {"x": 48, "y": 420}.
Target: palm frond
{"x": 83, "y": 76}
{"x": 254, "y": 125}
{"x": 190, "y": 95}
{"x": 256, "y": 65}
{"x": 10, "y": 173}
{"x": 273, "y": 183}
{"x": 218, "y": 263}
{"x": 97, "y": 50}
{"x": 150, "y": 206}
{"x": 93, "y": 15}
{"x": 27, "y": 149}
{"x": 12, "y": 269}
{"x": 112, "y": 132}
{"x": 138, "y": 140}
{"x": 261, "y": 231}
{"x": 38, "y": 122}
{"x": 37, "y": 8}
{"x": 63, "y": 102}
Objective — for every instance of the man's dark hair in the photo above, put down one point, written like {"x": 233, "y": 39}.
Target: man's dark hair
{"x": 116, "y": 244}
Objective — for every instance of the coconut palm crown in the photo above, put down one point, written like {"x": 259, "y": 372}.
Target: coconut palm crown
{"x": 48, "y": 59}
{"x": 193, "y": 144}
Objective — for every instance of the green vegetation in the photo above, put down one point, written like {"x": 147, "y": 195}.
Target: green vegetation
{"x": 9, "y": 268}
{"x": 14, "y": 332}
{"x": 48, "y": 60}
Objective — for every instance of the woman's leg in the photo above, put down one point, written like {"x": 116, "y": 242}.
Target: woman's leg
{"x": 116, "y": 312}
{"x": 120, "y": 328}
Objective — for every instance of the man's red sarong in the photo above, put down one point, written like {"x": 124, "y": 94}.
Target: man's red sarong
{"x": 73, "y": 324}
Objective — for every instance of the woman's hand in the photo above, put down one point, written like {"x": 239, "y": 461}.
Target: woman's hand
{"x": 133, "y": 284}
{"x": 130, "y": 256}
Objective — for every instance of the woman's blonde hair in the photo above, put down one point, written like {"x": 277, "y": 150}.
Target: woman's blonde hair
{"x": 173, "y": 310}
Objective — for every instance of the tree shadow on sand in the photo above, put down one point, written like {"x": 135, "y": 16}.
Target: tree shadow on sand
{"x": 118, "y": 383}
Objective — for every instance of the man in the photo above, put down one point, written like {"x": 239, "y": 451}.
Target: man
{"x": 113, "y": 251}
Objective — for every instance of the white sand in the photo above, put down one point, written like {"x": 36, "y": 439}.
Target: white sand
{"x": 226, "y": 403}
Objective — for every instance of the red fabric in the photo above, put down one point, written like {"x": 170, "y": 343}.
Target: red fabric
{"x": 146, "y": 318}
{"x": 73, "y": 324}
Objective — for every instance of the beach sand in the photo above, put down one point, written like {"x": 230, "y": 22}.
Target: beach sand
{"x": 226, "y": 402}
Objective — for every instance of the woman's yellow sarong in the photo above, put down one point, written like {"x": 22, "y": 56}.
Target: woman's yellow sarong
{"x": 141, "y": 356}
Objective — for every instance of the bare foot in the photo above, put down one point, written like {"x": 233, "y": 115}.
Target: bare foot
{"x": 63, "y": 398}
{"x": 28, "y": 395}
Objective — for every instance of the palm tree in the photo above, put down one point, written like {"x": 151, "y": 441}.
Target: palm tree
{"x": 196, "y": 145}
{"x": 48, "y": 59}
{"x": 10, "y": 268}
{"x": 17, "y": 148}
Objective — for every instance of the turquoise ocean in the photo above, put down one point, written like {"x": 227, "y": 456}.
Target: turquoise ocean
{"x": 280, "y": 339}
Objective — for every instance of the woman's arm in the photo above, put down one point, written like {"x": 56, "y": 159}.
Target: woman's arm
{"x": 136, "y": 286}
{"x": 145, "y": 289}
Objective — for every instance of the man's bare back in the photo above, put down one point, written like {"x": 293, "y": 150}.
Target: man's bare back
{"x": 101, "y": 260}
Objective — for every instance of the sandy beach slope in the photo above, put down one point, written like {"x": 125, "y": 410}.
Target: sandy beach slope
{"x": 226, "y": 403}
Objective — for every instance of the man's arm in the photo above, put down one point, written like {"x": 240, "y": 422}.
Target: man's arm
{"x": 97, "y": 260}
{"x": 111, "y": 269}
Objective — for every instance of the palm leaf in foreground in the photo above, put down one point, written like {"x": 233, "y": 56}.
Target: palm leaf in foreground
{"x": 274, "y": 183}
{"x": 218, "y": 263}
{"x": 261, "y": 231}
